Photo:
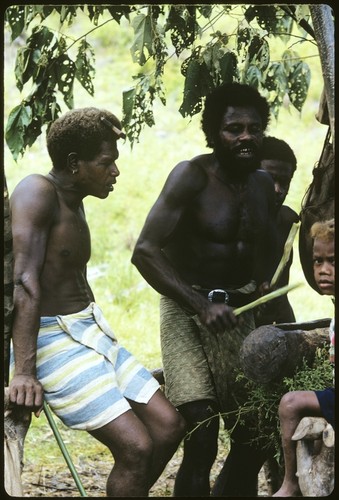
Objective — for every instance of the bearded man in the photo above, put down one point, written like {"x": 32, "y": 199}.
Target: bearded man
{"x": 207, "y": 246}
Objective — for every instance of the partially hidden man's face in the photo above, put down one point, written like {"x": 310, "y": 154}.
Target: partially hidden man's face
{"x": 281, "y": 173}
{"x": 323, "y": 266}
{"x": 240, "y": 139}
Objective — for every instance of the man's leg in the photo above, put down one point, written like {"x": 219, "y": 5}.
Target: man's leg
{"x": 142, "y": 441}
{"x": 239, "y": 475}
{"x": 200, "y": 449}
{"x": 165, "y": 426}
{"x": 131, "y": 447}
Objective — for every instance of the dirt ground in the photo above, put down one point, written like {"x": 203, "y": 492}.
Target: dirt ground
{"x": 48, "y": 482}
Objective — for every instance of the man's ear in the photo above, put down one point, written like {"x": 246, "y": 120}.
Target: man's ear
{"x": 72, "y": 162}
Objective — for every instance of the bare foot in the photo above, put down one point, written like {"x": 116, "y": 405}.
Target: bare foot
{"x": 288, "y": 490}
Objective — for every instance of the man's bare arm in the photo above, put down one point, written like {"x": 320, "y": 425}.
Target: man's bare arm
{"x": 182, "y": 185}
{"x": 33, "y": 205}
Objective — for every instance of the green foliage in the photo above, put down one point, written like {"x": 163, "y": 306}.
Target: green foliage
{"x": 240, "y": 51}
{"x": 261, "y": 407}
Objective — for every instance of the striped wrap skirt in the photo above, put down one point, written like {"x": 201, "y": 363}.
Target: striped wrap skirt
{"x": 87, "y": 376}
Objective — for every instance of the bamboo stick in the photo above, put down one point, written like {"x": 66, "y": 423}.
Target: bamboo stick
{"x": 64, "y": 450}
{"x": 266, "y": 298}
{"x": 287, "y": 252}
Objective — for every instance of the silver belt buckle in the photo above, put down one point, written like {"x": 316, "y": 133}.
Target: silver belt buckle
{"x": 219, "y": 290}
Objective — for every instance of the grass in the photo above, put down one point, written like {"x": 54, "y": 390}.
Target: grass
{"x": 130, "y": 305}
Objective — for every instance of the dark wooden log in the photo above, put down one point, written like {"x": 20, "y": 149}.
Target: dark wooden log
{"x": 16, "y": 424}
{"x": 272, "y": 352}
{"x": 8, "y": 282}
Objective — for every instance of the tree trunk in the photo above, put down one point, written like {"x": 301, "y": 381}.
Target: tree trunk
{"x": 271, "y": 352}
{"x": 318, "y": 202}
{"x": 16, "y": 425}
{"x": 8, "y": 281}
{"x": 324, "y": 34}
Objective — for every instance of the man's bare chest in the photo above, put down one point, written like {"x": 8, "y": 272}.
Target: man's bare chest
{"x": 69, "y": 238}
{"x": 225, "y": 214}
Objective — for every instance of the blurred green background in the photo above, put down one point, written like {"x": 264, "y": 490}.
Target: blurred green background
{"x": 130, "y": 305}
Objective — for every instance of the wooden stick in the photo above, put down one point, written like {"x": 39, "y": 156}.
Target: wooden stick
{"x": 287, "y": 252}
{"x": 266, "y": 298}
{"x": 115, "y": 129}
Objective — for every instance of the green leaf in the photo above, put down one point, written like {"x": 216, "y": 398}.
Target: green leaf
{"x": 117, "y": 11}
{"x": 15, "y": 16}
{"x": 266, "y": 16}
{"x": 84, "y": 69}
{"x": 143, "y": 38}
{"x": 19, "y": 119}
{"x": 253, "y": 76}
{"x": 299, "y": 83}
{"x": 128, "y": 98}
{"x": 64, "y": 70}
{"x": 275, "y": 77}
{"x": 228, "y": 67}
{"x": 183, "y": 27}
{"x": 198, "y": 83}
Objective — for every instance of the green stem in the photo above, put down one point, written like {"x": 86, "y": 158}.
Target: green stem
{"x": 64, "y": 450}
{"x": 266, "y": 298}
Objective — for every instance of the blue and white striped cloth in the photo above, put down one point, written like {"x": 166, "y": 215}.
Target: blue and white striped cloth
{"x": 86, "y": 374}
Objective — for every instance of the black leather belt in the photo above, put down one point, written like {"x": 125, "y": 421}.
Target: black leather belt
{"x": 232, "y": 298}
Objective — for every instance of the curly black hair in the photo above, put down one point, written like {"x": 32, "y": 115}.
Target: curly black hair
{"x": 277, "y": 149}
{"x": 230, "y": 94}
{"x": 81, "y": 131}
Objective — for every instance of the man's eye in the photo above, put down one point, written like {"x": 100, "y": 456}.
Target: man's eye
{"x": 256, "y": 129}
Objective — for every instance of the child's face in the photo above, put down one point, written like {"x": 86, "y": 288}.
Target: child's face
{"x": 323, "y": 266}
{"x": 281, "y": 173}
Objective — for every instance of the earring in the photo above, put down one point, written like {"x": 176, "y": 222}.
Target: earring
{"x": 74, "y": 171}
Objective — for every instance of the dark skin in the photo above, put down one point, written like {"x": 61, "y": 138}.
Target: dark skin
{"x": 51, "y": 243}
{"x": 243, "y": 457}
{"x": 279, "y": 310}
{"x": 213, "y": 226}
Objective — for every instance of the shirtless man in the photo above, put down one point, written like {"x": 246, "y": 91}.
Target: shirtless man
{"x": 207, "y": 245}
{"x": 279, "y": 161}
{"x": 64, "y": 349}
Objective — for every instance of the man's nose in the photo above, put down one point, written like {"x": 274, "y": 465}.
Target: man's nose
{"x": 246, "y": 135}
{"x": 277, "y": 188}
{"x": 114, "y": 170}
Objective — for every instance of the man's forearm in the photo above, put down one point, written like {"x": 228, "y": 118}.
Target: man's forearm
{"x": 160, "y": 274}
{"x": 26, "y": 321}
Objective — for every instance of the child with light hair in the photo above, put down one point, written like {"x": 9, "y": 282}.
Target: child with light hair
{"x": 295, "y": 405}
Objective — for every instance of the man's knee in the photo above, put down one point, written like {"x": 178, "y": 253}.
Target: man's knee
{"x": 173, "y": 428}
{"x": 199, "y": 411}
{"x": 201, "y": 442}
{"x": 137, "y": 455}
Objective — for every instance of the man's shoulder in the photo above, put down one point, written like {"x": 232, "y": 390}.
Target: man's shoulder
{"x": 288, "y": 215}
{"x": 34, "y": 181}
{"x": 34, "y": 189}
{"x": 191, "y": 173}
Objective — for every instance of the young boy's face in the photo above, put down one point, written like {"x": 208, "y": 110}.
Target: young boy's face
{"x": 323, "y": 265}
{"x": 282, "y": 173}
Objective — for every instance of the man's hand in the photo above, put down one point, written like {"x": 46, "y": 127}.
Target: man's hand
{"x": 218, "y": 317}
{"x": 26, "y": 390}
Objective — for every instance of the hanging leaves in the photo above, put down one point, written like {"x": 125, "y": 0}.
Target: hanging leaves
{"x": 84, "y": 66}
{"x": 142, "y": 46}
{"x": 48, "y": 67}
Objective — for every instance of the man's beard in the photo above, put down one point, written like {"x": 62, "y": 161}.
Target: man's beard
{"x": 234, "y": 166}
